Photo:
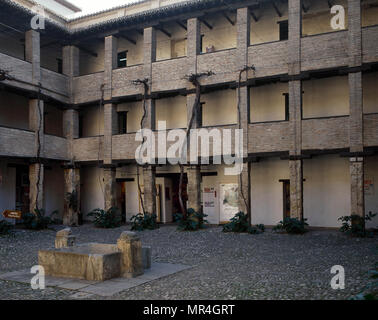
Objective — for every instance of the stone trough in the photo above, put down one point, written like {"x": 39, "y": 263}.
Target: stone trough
{"x": 95, "y": 261}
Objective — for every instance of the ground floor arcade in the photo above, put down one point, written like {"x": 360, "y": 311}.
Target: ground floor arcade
{"x": 320, "y": 188}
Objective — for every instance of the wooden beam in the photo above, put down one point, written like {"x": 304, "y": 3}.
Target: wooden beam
{"x": 228, "y": 18}
{"x": 182, "y": 25}
{"x": 48, "y": 44}
{"x": 304, "y": 8}
{"x": 128, "y": 39}
{"x": 161, "y": 29}
{"x": 206, "y": 24}
{"x": 277, "y": 10}
{"x": 253, "y": 15}
{"x": 87, "y": 51}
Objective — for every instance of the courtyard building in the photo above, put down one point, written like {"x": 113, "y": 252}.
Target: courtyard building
{"x": 72, "y": 97}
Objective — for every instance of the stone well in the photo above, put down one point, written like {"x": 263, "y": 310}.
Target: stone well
{"x": 95, "y": 261}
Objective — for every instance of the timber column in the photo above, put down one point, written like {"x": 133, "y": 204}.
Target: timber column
{"x": 110, "y": 123}
{"x": 36, "y": 115}
{"x": 71, "y": 56}
{"x": 194, "y": 170}
{"x": 243, "y": 40}
{"x": 295, "y": 109}
{"x": 72, "y": 195}
{"x": 149, "y": 171}
{"x": 356, "y": 124}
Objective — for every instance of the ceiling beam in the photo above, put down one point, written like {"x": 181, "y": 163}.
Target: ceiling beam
{"x": 228, "y": 18}
{"x": 276, "y": 9}
{"x": 304, "y": 8}
{"x": 87, "y": 51}
{"x": 161, "y": 29}
{"x": 182, "y": 25}
{"x": 253, "y": 15}
{"x": 206, "y": 24}
{"x": 128, "y": 39}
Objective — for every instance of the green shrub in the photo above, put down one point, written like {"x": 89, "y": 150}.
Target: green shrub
{"x": 5, "y": 227}
{"x": 292, "y": 226}
{"x": 192, "y": 222}
{"x": 106, "y": 219}
{"x": 37, "y": 220}
{"x": 354, "y": 225}
{"x": 141, "y": 222}
{"x": 239, "y": 223}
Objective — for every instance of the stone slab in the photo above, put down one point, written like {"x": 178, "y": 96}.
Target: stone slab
{"x": 108, "y": 288}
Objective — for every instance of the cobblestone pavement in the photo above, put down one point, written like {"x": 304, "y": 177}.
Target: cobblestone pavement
{"x": 225, "y": 266}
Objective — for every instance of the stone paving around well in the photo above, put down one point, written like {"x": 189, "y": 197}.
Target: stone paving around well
{"x": 106, "y": 288}
{"x": 211, "y": 265}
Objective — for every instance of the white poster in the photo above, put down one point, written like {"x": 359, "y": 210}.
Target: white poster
{"x": 209, "y": 196}
{"x": 229, "y": 203}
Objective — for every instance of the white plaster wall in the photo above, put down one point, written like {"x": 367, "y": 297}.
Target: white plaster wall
{"x": 132, "y": 195}
{"x": 92, "y": 190}
{"x": 173, "y": 47}
{"x": 11, "y": 44}
{"x": 371, "y": 197}
{"x": 220, "y": 108}
{"x": 134, "y": 114}
{"x": 14, "y": 110}
{"x": 267, "y": 102}
{"x": 49, "y": 56}
{"x": 318, "y": 18}
{"x": 370, "y": 93}
{"x": 7, "y": 188}
{"x": 134, "y": 51}
{"x": 369, "y": 13}
{"x": 326, "y": 191}
{"x": 93, "y": 121}
{"x": 90, "y": 64}
{"x": 267, "y": 190}
{"x": 266, "y": 29}
{"x": 326, "y": 97}
{"x": 223, "y": 34}
{"x": 173, "y": 111}
{"x": 54, "y": 190}
{"x": 53, "y": 120}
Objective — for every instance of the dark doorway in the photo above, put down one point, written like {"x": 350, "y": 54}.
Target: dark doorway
{"x": 286, "y": 198}
{"x": 121, "y": 199}
{"x": 175, "y": 177}
{"x": 22, "y": 188}
{"x": 284, "y": 30}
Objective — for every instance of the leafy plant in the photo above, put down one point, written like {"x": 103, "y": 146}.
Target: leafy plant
{"x": 141, "y": 222}
{"x": 192, "y": 222}
{"x": 37, "y": 220}
{"x": 106, "y": 219}
{"x": 355, "y": 225}
{"x": 5, "y": 227}
{"x": 239, "y": 223}
{"x": 292, "y": 226}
